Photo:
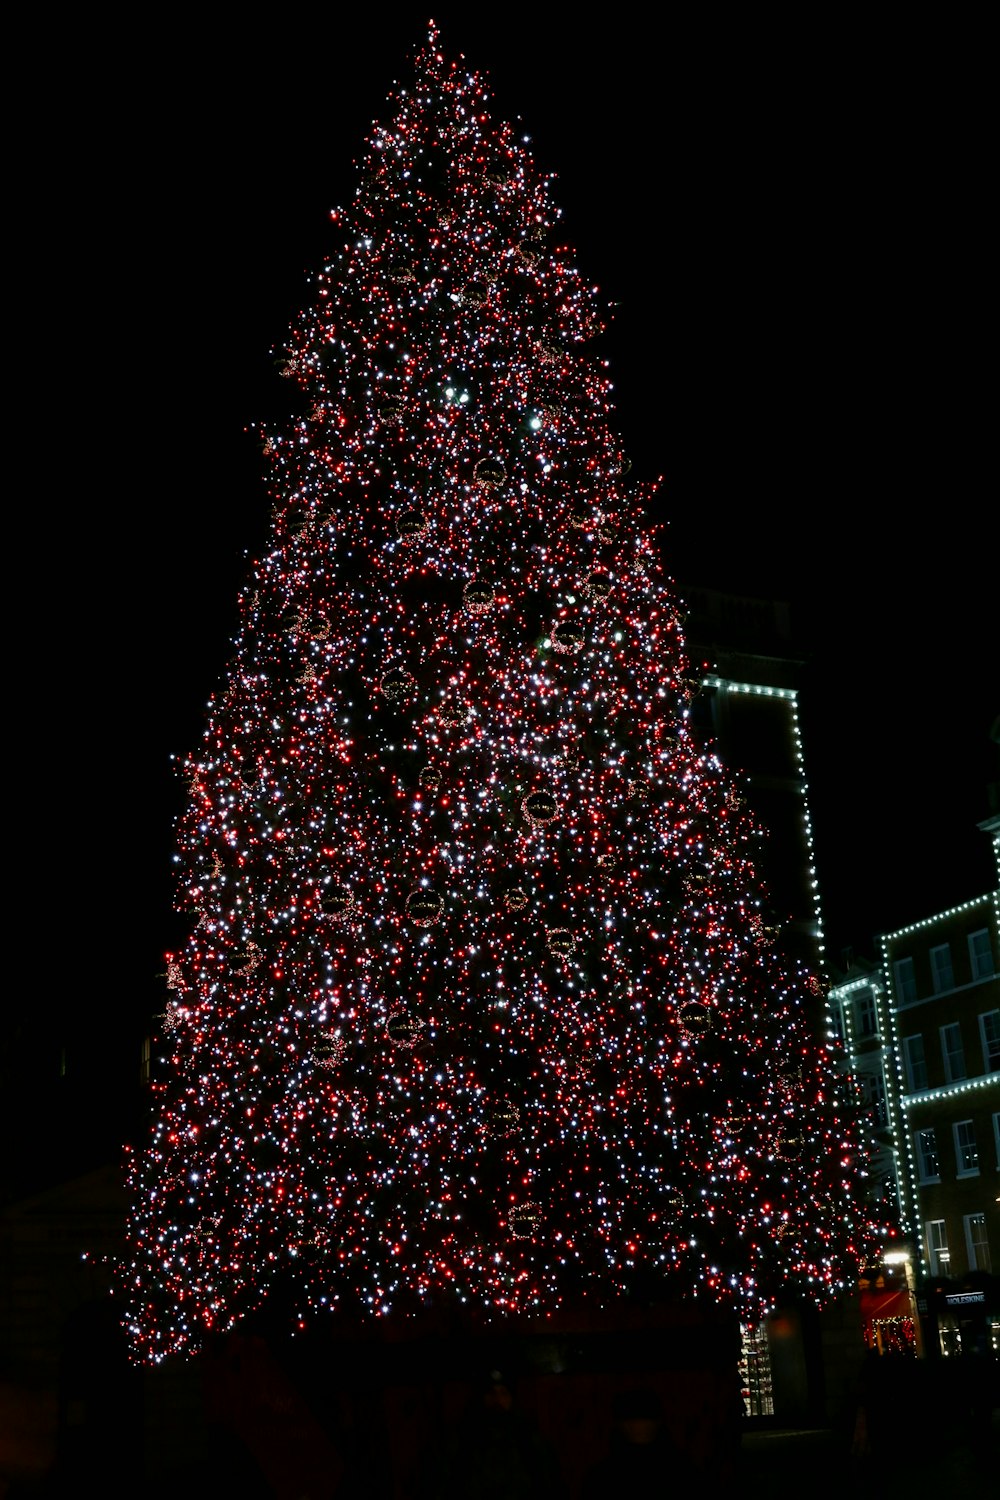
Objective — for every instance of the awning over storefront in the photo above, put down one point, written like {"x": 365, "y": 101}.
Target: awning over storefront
{"x": 877, "y": 1306}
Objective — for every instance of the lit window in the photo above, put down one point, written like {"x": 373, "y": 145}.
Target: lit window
{"x": 941, "y": 970}
{"x": 966, "y": 1150}
{"x": 981, "y": 955}
{"x": 928, "y": 1162}
{"x": 953, "y": 1052}
{"x": 989, "y": 1031}
{"x": 872, "y": 1087}
{"x": 878, "y": 1102}
{"x": 937, "y": 1247}
{"x": 977, "y": 1242}
{"x": 916, "y": 1062}
{"x": 906, "y": 984}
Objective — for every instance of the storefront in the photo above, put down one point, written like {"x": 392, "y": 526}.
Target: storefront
{"x": 889, "y": 1320}
{"x": 961, "y": 1317}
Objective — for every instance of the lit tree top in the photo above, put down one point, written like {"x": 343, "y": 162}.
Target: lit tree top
{"x": 478, "y": 1002}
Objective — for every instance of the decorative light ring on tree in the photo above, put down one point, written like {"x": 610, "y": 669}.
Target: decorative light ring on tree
{"x": 391, "y": 409}
{"x": 403, "y": 1028}
{"x": 503, "y": 1119}
{"x": 453, "y": 714}
{"x": 411, "y": 524}
{"x": 401, "y": 272}
{"x": 478, "y": 598}
{"x": 430, "y": 778}
{"x": 525, "y": 1220}
{"x": 578, "y": 1061}
{"x": 560, "y": 941}
{"x": 475, "y": 293}
{"x": 586, "y": 517}
{"x": 329, "y": 1051}
{"x": 398, "y": 684}
{"x": 790, "y": 1144}
{"x": 695, "y": 1016}
{"x": 597, "y": 588}
{"x": 245, "y": 960}
{"x": 336, "y": 901}
{"x": 549, "y": 351}
{"x": 672, "y": 1202}
{"x": 539, "y": 807}
{"x": 567, "y": 637}
{"x": 424, "y": 907}
{"x": 607, "y": 863}
{"x": 490, "y": 473}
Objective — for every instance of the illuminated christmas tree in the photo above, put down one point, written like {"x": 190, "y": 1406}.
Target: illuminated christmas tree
{"x": 480, "y": 1004}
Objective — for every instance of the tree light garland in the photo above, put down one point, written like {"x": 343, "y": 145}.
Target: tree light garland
{"x": 474, "y": 1005}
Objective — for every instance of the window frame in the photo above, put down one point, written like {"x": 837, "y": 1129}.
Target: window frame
{"x": 939, "y": 988}
{"x": 865, "y": 1013}
{"x": 904, "y": 980}
{"x": 927, "y": 1153}
{"x": 910, "y": 1066}
{"x": 938, "y": 1254}
{"x": 976, "y": 967}
{"x": 989, "y": 1020}
{"x": 953, "y": 1058}
{"x": 962, "y": 1148}
{"x": 977, "y": 1249}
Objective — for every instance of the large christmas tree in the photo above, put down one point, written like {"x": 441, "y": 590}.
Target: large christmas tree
{"x": 480, "y": 1001}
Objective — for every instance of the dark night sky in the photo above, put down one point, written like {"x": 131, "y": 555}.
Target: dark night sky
{"x": 794, "y": 229}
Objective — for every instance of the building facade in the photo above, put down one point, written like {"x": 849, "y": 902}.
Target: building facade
{"x": 922, "y": 1029}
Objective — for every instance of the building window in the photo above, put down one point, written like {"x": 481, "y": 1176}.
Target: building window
{"x": 996, "y": 1137}
{"x": 887, "y": 1193}
{"x": 953, "y": 1052}
{"x": 864, "y": 1013}
{"x": 906, "y": 983}
{"x": 989, "y": 1032}
{"x": 916, "y": 1062}
{"x": 977, "y": 1243}
{"x": 941, "y": 970}
{"x": 928, "y": 1163}
{"x": 966, "y": 1150}
{"x": 877, "y": 1101}
{"x": 144, "y": 1060}
{"x": 981, "y": 955}
{"x": 937, "y": 1247}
